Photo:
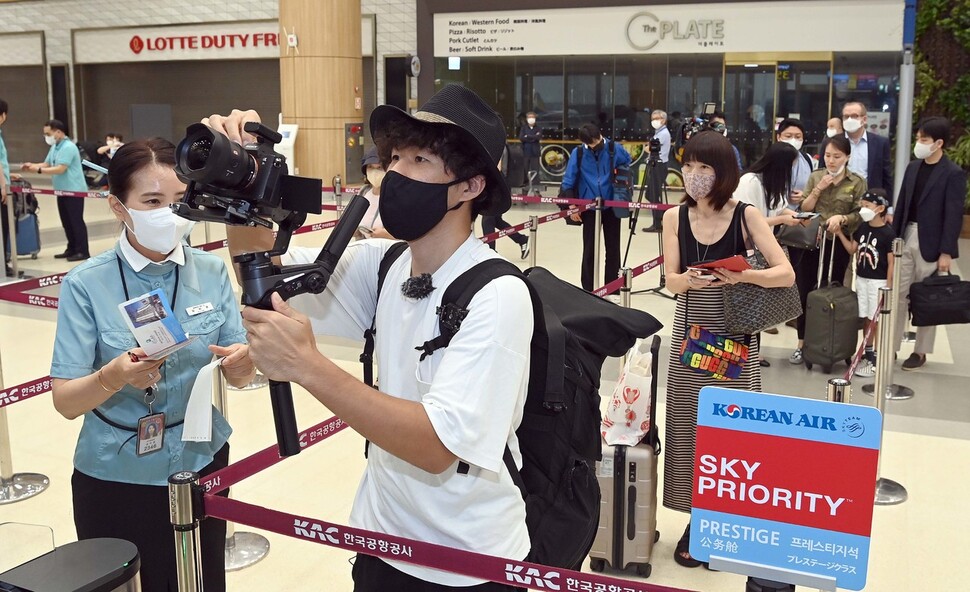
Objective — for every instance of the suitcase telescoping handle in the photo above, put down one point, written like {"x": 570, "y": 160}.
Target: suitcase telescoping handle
{"x": 653, "y": 435}
{"x": 821, "y": 256}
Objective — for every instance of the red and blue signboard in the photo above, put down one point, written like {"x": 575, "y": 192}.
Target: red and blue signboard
{"x": 785, "y": 483}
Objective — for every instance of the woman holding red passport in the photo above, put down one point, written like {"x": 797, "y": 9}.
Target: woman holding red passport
{"x": 707, "y": 227}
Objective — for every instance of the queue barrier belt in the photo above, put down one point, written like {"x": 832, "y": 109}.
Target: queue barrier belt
{"x": 27, "y": 390}
{"x": 468, "y": 563}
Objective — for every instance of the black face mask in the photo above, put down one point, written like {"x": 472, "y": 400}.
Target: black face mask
{"x": 599, "y": 146}
{"x": 409, "y": 208}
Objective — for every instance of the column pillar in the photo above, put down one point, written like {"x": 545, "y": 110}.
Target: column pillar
{"x": 321, "y": 81}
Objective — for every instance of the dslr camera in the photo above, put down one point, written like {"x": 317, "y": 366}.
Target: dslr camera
{"x": 242, "y": 186}
{"x": 654, "y": 156}
{"x": 250, "y": 186}
{"x": 700, "y": 123}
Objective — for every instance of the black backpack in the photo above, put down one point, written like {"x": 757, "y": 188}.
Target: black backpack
{"x": 559, "y": 436}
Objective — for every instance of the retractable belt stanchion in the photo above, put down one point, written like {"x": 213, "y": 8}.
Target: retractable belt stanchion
{"x": 338, "y": 192}
{"x": 895, "y": 392}
{"x": 242, "y": 548}
{"x": 12, "y": 233}
{"x": 838, "y": 390}
{"x": 597, "y": 240}
{"x": 533, "y": 236}
{"x": 182, "y": 491}
{"x": 15, "y": 486}
{"x": 888, "y": 492}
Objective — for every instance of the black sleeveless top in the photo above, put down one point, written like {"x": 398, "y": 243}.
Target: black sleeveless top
{"x": 693, "y": 252}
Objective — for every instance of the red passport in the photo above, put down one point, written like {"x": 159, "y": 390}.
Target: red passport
{"x": 736, "y": 263}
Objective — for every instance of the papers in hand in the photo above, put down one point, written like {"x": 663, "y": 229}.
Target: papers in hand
{"x": 198, "y": 412}
{"x": 150, "y": 319}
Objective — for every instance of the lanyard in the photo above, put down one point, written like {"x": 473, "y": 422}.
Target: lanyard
{"x": 124, "y": 284}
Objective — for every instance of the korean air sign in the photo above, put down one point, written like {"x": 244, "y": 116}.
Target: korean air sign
{"x": 786, "y": 484}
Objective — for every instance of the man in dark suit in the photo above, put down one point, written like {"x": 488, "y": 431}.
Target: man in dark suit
{"x": 870, "y": 152}
{"x": 928, "y": 218}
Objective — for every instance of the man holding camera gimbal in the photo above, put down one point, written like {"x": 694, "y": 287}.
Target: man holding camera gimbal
{"x": 658, "y": 165}
{"x": 430, "y": 412}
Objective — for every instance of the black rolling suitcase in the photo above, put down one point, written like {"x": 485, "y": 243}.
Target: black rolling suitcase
{"x": 628, "y": 510}
{"x": 831, "y": 319}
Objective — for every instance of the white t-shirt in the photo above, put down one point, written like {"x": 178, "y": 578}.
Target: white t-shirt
{"x": 751, "y": 191}
{"x": 473, "y": 392}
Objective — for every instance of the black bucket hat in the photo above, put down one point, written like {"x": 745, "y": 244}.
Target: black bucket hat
{"x": 370, "y": 157}
{"x": 454, "y": 105}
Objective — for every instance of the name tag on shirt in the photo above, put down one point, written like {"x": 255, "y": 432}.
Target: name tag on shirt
{"x": 199, "y": 309}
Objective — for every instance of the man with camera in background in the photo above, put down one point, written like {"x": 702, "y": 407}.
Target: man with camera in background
{"x": 657, "y": 165}
{"x": 430, "y": 412}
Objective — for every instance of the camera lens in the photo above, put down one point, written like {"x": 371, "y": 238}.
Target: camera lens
{"x": 198, "y": 153}
{"x": 210, "y": 158}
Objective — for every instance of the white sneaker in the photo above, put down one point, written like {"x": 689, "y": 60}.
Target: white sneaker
{"x": 865, "y": 369}
{"x": 525, "y": 250}
{"x": 795, "y": 357}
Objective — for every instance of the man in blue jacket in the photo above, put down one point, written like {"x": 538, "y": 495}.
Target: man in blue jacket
{"x": 928, "y": 218}
{"x": 590, "y": 174}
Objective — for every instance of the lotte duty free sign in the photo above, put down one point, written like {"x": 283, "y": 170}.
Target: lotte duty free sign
{"x": 784, "y": 486}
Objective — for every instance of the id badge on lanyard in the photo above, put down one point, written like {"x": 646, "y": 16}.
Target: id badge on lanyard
{"x": 151, "y": 428}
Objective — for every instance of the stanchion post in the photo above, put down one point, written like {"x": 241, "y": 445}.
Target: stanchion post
{"x": 894, "y": 391}
{"x": 14, "y": 486}
{"x": 888, "y": 492}
{"x": 597, "y": 241}
{"x": 533, "y": 237}
{"x": 188, "y": 550}
{"x": 242, "y": 548}
{"x": 338, "y": 193}
{"x": 838, "y": 390}
{"x": 627, "y": 286}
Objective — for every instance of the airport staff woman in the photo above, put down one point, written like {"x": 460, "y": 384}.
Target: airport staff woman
{"x": 118, "y": 492}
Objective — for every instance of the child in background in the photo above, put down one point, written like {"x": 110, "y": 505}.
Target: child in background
{"x": 872, "y": 246}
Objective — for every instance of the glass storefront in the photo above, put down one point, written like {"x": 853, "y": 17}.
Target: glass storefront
{"x": 619, "y": 92}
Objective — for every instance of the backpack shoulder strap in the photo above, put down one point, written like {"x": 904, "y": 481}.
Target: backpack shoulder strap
{"x": 457, "y": 296}
{"x": 367, "y": 356}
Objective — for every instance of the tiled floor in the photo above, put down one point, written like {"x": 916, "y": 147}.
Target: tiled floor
{"x": 915, "y": 545}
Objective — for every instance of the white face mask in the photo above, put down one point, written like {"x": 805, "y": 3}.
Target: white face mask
{"x": 852, "y": 125}
{"x": 159, "y": 230}
{"x": 837, "y": 172}
{"x": 921, "y": 150}
{"x": 51, "y": 140}
{"x": 374, "y": 177}
{"x": 867, "y": 215}
{"x": 657, "y": 124}
{"x": 794, "y": 142}
{"x": 531, "y": 121}
{"x": 831, "y": 132}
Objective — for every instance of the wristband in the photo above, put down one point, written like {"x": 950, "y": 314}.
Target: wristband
{"x": 101, "y": 382}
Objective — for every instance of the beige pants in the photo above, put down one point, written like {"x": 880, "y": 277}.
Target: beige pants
{"x": 912, "y": 268}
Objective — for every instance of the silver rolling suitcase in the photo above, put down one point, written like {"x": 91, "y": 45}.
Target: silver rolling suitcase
{"x": 628, "y": 511}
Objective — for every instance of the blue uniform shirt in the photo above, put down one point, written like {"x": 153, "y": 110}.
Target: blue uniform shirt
{"x": 3, "y": 159}
{"x": 65, "y": 152}
{"x": 91, "y": 332}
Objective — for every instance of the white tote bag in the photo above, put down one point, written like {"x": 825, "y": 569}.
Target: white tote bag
{"x": 627, "y": 418}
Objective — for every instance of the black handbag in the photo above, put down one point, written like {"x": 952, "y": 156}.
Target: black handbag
{"x": 749, "y": 308}
{"x": 800, "y": 237}
{"x": 940, "y": 300}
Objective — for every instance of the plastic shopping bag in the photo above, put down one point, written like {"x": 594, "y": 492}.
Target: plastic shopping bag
{"x": 627, "y": 418}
